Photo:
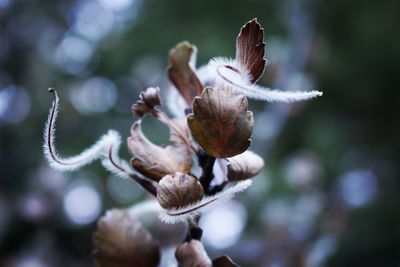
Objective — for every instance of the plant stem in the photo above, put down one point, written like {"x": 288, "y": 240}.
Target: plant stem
{"x": 206, "y": 162}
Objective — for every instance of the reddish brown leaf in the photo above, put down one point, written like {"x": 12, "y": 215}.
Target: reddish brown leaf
{"x": 179, "y": 190}
{"x": 220, "y": 122}
{"x": 121, "y": 241}
{"x": 180, "y": 72}
{"x": 250, "y": 49}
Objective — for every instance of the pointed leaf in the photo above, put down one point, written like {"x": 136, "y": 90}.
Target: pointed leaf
{"x": 250, "y": 49}
{"x": 154, "y": 161}
{"x": 180, "y": 71}
{"x": 121, "y": 241}
{"x": 220, "y": 122}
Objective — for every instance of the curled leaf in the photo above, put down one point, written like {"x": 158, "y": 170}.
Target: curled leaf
{"x": 154, "y": 161}
{"x": 224, "y": 261}
{"x": 181, "y": 71}
{"x": 148, "y": 100}
{"x": 244, "y": 166}
{"x": 192, "y": 254}
{"x": 121, "y": 241}
{"x": 220, "y": 122}
{"x": 179, "y": 190}
{"x": 250, "y": 49}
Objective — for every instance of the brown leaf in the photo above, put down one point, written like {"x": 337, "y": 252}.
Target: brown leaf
{"x": 181, "y": 73}
{"x": 250, "y": 49}
{"x": 244, "y": 166}
{"x": 220, "y": 122}
{"x": 192, "y": 254}
{"x": 179, "y": 190}
{"x": 154, "y": 161}
{"x": 224, "y": 261}
{"x": 121, "y": 241}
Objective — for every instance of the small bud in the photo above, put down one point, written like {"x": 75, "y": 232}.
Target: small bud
{"x": 179, "y": 190}
{"x": 220, "y": 122}
{"x": 148, "y": 100}
{"x": 244, "y": 166}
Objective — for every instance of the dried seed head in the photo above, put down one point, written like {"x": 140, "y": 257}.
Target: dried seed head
{"x": 148, "y": 100}
{"x": 179, "y": 190}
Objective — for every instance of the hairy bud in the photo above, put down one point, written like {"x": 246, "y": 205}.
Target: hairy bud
{"x": 179, "y": 190}
{"x": 244, "y": 166}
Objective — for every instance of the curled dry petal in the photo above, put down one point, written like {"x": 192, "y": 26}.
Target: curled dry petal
{"x": 148, "y": 100}
{"x": 179, "y": 190}
{"x": 192, "y": 254}
{"x": 181, "y": 71}
{"x": 244, "y": 166}
{"x": 154, "y": 161}
{"x": 250, "y": 49}
{"x": 121, "y": 241}
{"x": 220, "y": 122}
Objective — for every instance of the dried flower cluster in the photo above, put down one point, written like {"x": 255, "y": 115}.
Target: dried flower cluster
{"x": 212, "y": 125}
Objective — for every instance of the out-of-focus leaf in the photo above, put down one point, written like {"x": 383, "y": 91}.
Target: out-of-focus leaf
{"x": 121, "y": 241}
{"x": 192, "y": 254}
{"x": 179, "y": 190}
{"x": 224, "y": 261}
{"x": 180, "y": 71}
{"x": 154, "y": 161}
{"x": 244, "y": 166}
{"x": 220, "y": 122}
{"x": 250, "y": 49}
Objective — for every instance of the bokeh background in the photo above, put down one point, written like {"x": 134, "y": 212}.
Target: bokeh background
{"x": 330, "y": 192}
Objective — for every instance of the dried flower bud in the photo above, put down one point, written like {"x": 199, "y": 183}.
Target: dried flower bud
{"x": 244, "y": 166}
{"x": 122, "y": 241}
{"x": 192, "y": 254}
{"x": 220, "y": 122}
{"x": 179, "y": 190}
{"x": 148, "y": 100}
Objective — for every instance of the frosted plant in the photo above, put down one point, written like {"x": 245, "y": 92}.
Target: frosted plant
{"x": 212, "y": 124}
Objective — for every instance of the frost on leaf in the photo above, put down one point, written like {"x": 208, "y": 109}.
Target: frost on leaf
{"x": 181, "y": 71}
{"x": 220, "y": 122}
{"x": 250, "y": 49}
{"x": 121, "y": 241}
{"x": 154, "y": 161}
